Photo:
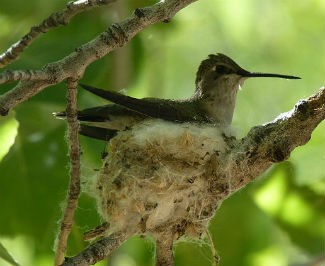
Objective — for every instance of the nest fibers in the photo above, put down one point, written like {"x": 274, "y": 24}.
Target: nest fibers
{"x": 159, "y": 176}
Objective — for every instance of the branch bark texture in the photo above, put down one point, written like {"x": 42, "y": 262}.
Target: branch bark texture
{"x": 273, "y": 142}
{"x": 74, "y": 189}
{"x": 96, "y": 251}
{"x": 56, "y": 19}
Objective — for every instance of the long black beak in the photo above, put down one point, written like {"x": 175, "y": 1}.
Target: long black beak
{"x": 248, "y": 74}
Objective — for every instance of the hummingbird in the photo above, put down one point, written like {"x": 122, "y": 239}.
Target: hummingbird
{"x": 218, "y": 80}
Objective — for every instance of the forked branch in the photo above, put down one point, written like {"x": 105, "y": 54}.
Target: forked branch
{"x": 56, "y": 19}
{"x": 74, "y": 65}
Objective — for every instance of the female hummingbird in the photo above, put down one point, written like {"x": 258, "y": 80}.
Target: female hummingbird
{"x": 218, "y": 80}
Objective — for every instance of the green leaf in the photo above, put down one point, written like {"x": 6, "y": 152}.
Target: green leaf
{"x": 8, "y": 133}
{"x": 34, "y": 176}
{"x": 4, "y": 254}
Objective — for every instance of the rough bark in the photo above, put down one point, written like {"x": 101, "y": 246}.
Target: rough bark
{"x": 74, "y": 188}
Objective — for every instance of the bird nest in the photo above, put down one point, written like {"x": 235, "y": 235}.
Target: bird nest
{"x": 158, "y": 176}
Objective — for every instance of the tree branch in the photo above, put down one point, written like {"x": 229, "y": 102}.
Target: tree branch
{"x": 274, "y": 141}
{"x": 74, "y": 189}
{"x": 96, "y": 251}
{"x": 54, "y": 20}
{"x": 74, "y": 64}
{"x": 22, "y": 75}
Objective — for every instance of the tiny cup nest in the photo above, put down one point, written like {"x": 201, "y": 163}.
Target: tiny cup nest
{"x": 162, "y": 178}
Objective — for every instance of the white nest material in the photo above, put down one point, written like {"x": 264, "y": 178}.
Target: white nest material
{"x": 157, "y": 175}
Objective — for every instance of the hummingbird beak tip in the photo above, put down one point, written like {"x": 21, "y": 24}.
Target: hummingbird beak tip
{"x": 265, "y": 75}
{"x": 289, "y": 77}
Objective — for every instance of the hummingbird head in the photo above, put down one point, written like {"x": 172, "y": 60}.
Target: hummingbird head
{"x": 221, "y": 72}
{"x": 217, "y": 82}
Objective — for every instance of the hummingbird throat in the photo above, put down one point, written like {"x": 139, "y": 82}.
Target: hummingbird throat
{"x": 218, "y": 97}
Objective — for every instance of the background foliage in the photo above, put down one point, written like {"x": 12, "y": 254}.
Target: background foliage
{"x": 277, "y": 220}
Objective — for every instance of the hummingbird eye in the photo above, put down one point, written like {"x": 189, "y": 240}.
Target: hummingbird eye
{"x": 221, "y": 69}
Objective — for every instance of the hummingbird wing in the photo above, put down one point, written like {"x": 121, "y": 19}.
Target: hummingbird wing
{"x": 156, "y": 108}
{"x": 103, "y": 122}
{"x": 106, "y": 113}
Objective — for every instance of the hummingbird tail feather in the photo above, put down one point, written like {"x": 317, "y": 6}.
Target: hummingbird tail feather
{"x": 138, "y": 105}
{"x": 97, "y": 132}
{"x": 82, "y": 116}
{"x": 155, "y": 108}
{"x": 90, "y": 131}
{"x": 60, "y": 115}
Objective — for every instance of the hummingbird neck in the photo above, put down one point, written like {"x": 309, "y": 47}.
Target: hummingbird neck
{"x": 217, "y": 98}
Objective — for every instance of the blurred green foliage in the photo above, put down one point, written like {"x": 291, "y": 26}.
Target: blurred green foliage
{"x": 277, "y": 220}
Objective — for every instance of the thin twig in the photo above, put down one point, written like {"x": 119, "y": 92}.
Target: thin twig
{"x": 75, "y": 64}
{"x": 56, "y": 19}
{"x": 74, "y": 189}
{"x": 96, "y": 251}
{"x": 97, "y": 232}
{"x": 212, "y": 247}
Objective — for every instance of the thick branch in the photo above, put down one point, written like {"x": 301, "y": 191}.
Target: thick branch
{"x": 74, "y": 64}
{"x": 274, "y": 141}
{"x": 74, "y": 189}
{"x": 54, "y": 20}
